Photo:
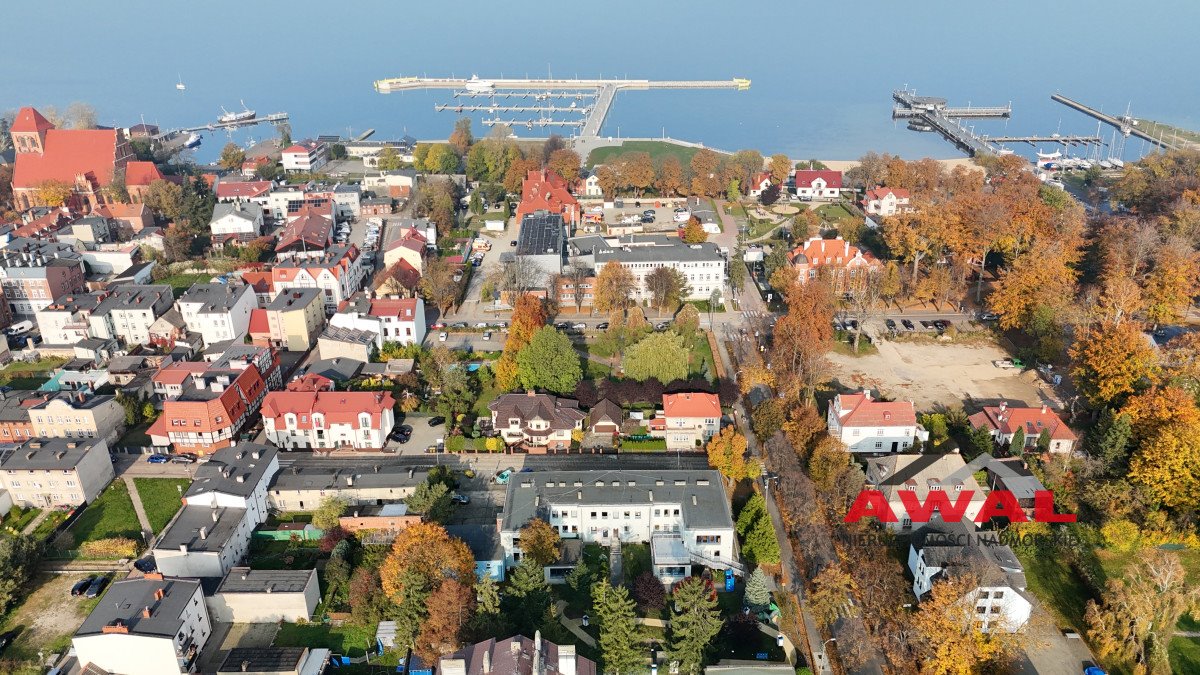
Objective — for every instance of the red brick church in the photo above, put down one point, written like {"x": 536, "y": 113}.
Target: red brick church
{"x": 84, "y": 159}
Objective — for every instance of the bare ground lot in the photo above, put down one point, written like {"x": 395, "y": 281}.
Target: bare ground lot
{"x": 933, "y": 374}
{"x": 46, "y": 620}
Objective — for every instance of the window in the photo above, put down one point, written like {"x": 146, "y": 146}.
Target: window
{"x": 998, "y": 595}
{"x": 981, "y": 609}
{"x": 708, "y": 539}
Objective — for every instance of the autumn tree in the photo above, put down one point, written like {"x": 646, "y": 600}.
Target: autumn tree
{"x": 516, "y": 173}
{"x": 51, "y": 192}
{"x": 1172, "y": 283}
{"x": 461, "y": 138}
{"x": 1138, "y": 616}
{"x": 328, "y": 512}
{"x": 830, "y": 598}
{"x": 706, "y": 180}
{"x": 637, "y": 171}
{"x": 1111, "y": 361}
{"x": 389, "y": 159}
{"x": 528, "y": 316}
{"x": 166, "y": 198}
{"x": 802, "y": 337}
{"x": 1167, "y": 465}
{"x": 694, "y": 624}
{"x": 608, "y": 179}
{"x": 614, "y": 287}
{"x": 438, "y": 285}
{"x": 539, "y": 542}
{"x": 565, "y": 163}
{"x": 781, "y": 169}
{"x": 950, "y": 638}
{"x": 620, "y": 634}
{"x": 687, "y": 321}
{"x": 727, "y": 454}
{"x": 668, "y": 286}
{"x": 549, "y": 362}
{"x": 232, "y": 157}
{"x": 451, "y": 606}
{"x": 1043, "y": 278}
{"x": 670, "y": 181}
{"x": 693, "y": 232}
{"x": 661, "y": 356}
{"x": 426, "y": 550}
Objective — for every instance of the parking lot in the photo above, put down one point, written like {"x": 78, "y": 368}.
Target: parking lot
{"x": 631, "y": 212}
{"x": 422, "y": 437}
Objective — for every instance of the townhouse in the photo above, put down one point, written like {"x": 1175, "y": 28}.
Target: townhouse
{"x": 211, "y": 406}
{"x": 291, "y": 321}
{"x": 128, "y": 312}
{"x": 328, "y": 419}
{"x": 338, "y": 272}
{"x": 688, "y": 421}
{"x": 300, "y": 488}
{"x": 66, "y": 321}
{"x": 48, "y": 472}
{"x": 399, "y": 320}
{"x": 70, "y": 415}
{"x": 217, "y": 312}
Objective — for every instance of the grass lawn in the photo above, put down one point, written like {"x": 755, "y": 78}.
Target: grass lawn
{"x": 283, "y": 555}
{"x": 1059, "y": 588}
{"x": 832, "y": 212}
{"x": 1114, "y": 563}
{"x": 111, "y": 515}
{"x": 635, "y": 559}
{"x": 181, "y": 282}
{"x": 595, "y": 371}
{"x": 349, "y": 638}
{"x": 136, "y": 436}
{"x": 652, "y": 445}
{"x": 160, "y": 499}
{"x": 657, "y": 150}
{"x": 49, "y": 524}
{"x": 700, "y": 360}
{"x": 28, "y": 374}
{"x": 485, "y": 397}
{"x": 1185, "y": 655}
{"x": 16, "y": 520}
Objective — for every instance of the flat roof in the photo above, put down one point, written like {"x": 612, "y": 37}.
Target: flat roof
{"x": 541, "y": 234}
{"x": 246, "y": 580}
{"x": 201, "y": 528}
{"x": 298, "y": 477}
{"x": 263, "y": 660}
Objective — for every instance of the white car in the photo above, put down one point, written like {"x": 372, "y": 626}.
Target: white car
{"x": 481, "y": 324}
{"x": 19, "y": 327}
{"x": 487, "y": 335}
{"x": 442, "y": 336}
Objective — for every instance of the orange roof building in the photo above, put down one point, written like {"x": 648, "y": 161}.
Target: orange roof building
{"x": 210, "y": 409}
{"x": 83, "y": 159}
{"x": 1003, "y": 423}
{"x": 544, "y": 190}
{"x": 840, "y": 259}
{"x": 329, "y": 419}
{"x": 690, "y": 419}
{"x": 864, "y": 424}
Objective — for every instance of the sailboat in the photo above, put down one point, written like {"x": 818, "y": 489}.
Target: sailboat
{"x": 180, "y": 85}
{"x": 245, "y": 114}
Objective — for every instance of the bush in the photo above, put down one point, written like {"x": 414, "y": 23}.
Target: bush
{"x": 649, "y": 592}
{"x": 332, "y": 538}
{"x": 1121, "y": 535}
{"x": 493, "y": 444}
{"x": 113, "y": 547}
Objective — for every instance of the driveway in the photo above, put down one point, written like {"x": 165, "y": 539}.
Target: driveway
{"x": 423, "y": 435}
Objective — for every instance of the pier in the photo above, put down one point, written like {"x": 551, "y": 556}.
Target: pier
{"x": 1123, "y": 124}
{"x": 1054, "y": 138}
{"x": 604, "y": 92}
{"x": 275, "y": 118}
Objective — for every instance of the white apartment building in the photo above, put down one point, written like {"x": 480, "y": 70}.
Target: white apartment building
{"x": 688, "y": 421}
{"x": 301, "y": 488}
{"x": 66, "y": 320}
{"x": 236, "y": 222}
{"x": 218, "y": 312}
{"x": 47, "y": 472}
{"x": 865, "y": 425}
{"x": 147, "y": 626}
{"x": 393, "y": 319}
{"x": 129, "y": 311}
{"x": 339, "y": 273}
{"x": 684, "y": 515}
{"x": 703, "y": 265}
{"x": 305, "y": 157}
{"x": 329, "y": 419}
{"x": 221, "y": 508}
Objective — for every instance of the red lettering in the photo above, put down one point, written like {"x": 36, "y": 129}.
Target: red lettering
{"x": 870, "y": 503}
{"x": 1001, "y": 504}
{"x": 1043, "y": 509}
{"x": 937, "y": 501}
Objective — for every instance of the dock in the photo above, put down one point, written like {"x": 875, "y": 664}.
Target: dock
{"x": 604, "y": 91}
{"x": 274, "y": 118}
{"x": 1123, "y": 124}
{"x": 1053, "y": 138}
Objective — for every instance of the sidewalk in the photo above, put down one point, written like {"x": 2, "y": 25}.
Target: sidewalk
{"x": 573, "y": 625}
{"x": 147, "y": 531}
{"x": 36, "y": 521}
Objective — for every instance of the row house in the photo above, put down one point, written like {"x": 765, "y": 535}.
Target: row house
{"x": 246, "y": 192}
{"x": 329, "y": 419}
{"x": 211, "y": 407}
{"x": 33, "y": 273}
{"x": 67, "y": 320}
{"x": 399, "y": 320}
{"x": 339, "y": 273}
{"x": 238, "y": 356}
{"x": 48, "y": 472}
{"x": 129, "y": 310}
{"x": 291, "y": 321}
{"x": 217, "y": 312}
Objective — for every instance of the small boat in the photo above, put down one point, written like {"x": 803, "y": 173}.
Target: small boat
{"x": 1048, "y": 159}
{"x": 1120, "y": 164}
{"x": 1105, "y": 164}
{"x": 919, "y": 126}
{"x": 180, "y": 85}
{"x": 1085, "y": 164}
{"x": 227, "y": 117}
{"x": 192, "y": 141}
{"x": 477, "y": 85}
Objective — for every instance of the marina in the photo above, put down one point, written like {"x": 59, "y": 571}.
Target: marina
{"x": 191, "y": 137}
{"x": 1124, "y": 124}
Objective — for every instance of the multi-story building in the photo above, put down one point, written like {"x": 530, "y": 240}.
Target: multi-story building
{"x": 15, "y": 426}
{"x": 146, "y": 626}
{"x": 138, "y": 177}
{"x": 886, "y": 201}
{"x": 291, "y": 321}
{"x": 539, "y": 422}
{"x": 703, "y": 265}
{"x": 236, "y": 222}
{"x": 338, "y": 272}
{"x": 78, "y": 415}
{"x": 129, "y": 310}
{"x": 241, "y": 356}
{"x": 45, "y": 472}
{"x": 218, "y": 312}
{"x": 863, "y": 424}
{"x": 86, "y": 160}
{"x": 303, "y": 487}
{"x": 305, "y": 156}
{"x": 1003, "y": 423}
{"x": 211, "y": 407}
{"x": 683, "y": 515}
{"x": 545, "y": 190}
{"x": 921, "y": 475}
{"x": 328, "y": 419}
{"x": 843, "y": 262}
{"x": 221, "y": 508}
{"x": 689, "y": 419}
{"x": 33, "y": 273}
{"x": 66, "y": 321}
{"x": 410, "y": 246}
{"x": 540, "y": 243}
{"x": 252, "y": 192}
{"x": 393, "y": 320}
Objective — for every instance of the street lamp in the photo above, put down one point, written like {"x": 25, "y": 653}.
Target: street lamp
{"x": 825, "y": 657}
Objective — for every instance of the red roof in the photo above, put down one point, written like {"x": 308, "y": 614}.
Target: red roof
{"x": 242, "y": 189}
{"x": 259, "y": 323}
{"x": 38, "y": 226}
{"x": 544, "y": 190}
{"x": 141, "y": 173}
{"x": 880, "y": 193}
{"x": 403, "y": 272}
{"x": 404, "y": 309}
{"x": 1007, "y": 420}
{"x": 122, "y": 210}
{"x": 338, "y": 407}
{"x": 309, "y": 228}
{"x": 837, "y": 252}
{"x": 311, "y": 382}
{"x": 760, "y": 178}
{"x": 805, "y": 178}
{"x": 179, "y": 371}
{"x": 860, "y": 410}
{"x": 259, "y": 281}
{"x": 691, "y": 404}
{"x": 66, "y": 154}
{"x": 29, "y": 119}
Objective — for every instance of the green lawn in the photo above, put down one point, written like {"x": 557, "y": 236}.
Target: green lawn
{"x": 182, "y": 282}
{"x": 635, "y": 559}
{"x": 283, "y": 555}
{"x": 1056, "y": 584}
{"x": 48, "y": 524}
{"x": 28, "y": 374}
{"x": 160, "y": 499}
{"x": 652, "y": 445}
{"x": 136, "y": 436}
{"x": 111, "y": 515}
{"x": 832, "y": 212}
{"x": 1114, "y": 563}
{"x": 701, "y": 357}
{"x": 1185, "y": 655}
{"x": 349, "y": 639}
{"x": 16, "y": 520}
{"x": 657, "y": 150}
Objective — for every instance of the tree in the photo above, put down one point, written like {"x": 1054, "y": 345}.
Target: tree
{"x": 528, "y": 317}
{"x": 328, "y": 512}
{"x": 1109, "y": 441}
{"x": 516, "y": 173}
{"x": 758, "y": 589}
{"x": 1110, "y": 361}
{"x": 508, "y": 375}
{"x": 802, "y": 337}
{"x": 620, "y": 634}
{"x": 830, "y": 598}
{"x": 489, "y": 620}
{"x": 693, "y": 232}
{"x": 461, "y": 138}
{"x": 52, "y": 192}
{"x": 1172, "y": 283}
{"x": 614, "y": 286}
{"x": 668, "y": 286}
{"x": 608, "y": 179}
{"x": 1017, "y": 444}
{"x": 527, "y": 597}
{"x": 566, "y": 163}
{"x": 539, "y": 542}
{"x": 687, "y": 321}
{"x": 19, "y": 557}
{"x": 727, "y": 454}
{"x": 761, "y": 545}
{"x": 670, "y": 177}
{"x": 781, "y": 169}
{"x": 79, "y": 115}
{"x": 267, "y": 171}
{"x": 438, "y": 285}
{"x": 649, "y": 593}
{"x": 950, "y": 638}
{"x": 389, "y": 159}
{"x": 426, "y": 550}
{"x": 637, "y": 171}
{"x": 431, "y": 500}
{"x": 458, "y": 393}
{"x": 1140, "y": 610}
{"x": 450, "y": 607}
{"x": 767, "y": 418}
{"x": 549, "y": 362}
{"x": 754, "y": 509}
{"x": 777, "y": 259}
{"x": 553, "y": 144}
{"x": 232, "y": 157}
{"x": 1167, "y": 465}
{"x": 166, "y": 198}
{"x": 661, "y": 356}
{"x": 695, "y": 623}
{"x": 770, "y": 195}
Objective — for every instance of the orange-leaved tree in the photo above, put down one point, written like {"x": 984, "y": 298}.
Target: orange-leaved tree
{"x": 427, "y": 550}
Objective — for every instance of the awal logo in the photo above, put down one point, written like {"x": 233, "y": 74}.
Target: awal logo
{"x": 996, "y": 504}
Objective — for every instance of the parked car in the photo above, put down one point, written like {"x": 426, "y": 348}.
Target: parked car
{"x": 19, "y": 328}
{"x": 436, "y": 420}
{"x": 580, "y": 326}
{"x": 460, "y": 325}
{"x": 182, "y": 459}
{"x": 926, "y": 325}
{"x": 145, "y": 565}
{"x": 890, "y": 323}
{"x": 487, "y": 335}
{"x": 989, "y": 316}
{"x": 662, "y": 326}
{"x": 17, "y": 341}
{"x": 96, "y": 587}
{"x": 442, "y": 336}
{"x": 647, "y": 220}
{"x": 513, "y": 242}
{"x": 460, "y": 499}
{"x": 481, "y": 324}
{"x": 158, "y": 458}
{"x": 603, "y": 325}
{"x": 562, "y": 325}
{"x": 439, "y": 325}
{"x": 941, "y": 325}
{"x": 82, "y": 585}
{"x": 908, "y": 325}
{"x": 500, "y": 324}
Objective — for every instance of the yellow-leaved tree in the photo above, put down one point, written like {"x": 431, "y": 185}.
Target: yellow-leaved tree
{"x": 1111, "y": 360}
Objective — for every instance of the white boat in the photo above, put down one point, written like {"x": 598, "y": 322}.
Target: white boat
{"x": 192, "y": 140}
{"x": 1120, "y": 164}
{"x": 1085, "y": 164}
{"x": 245, "y": 114}
{"x": 479, "y": 86}
{"x": 1048, "y": 159}
{"x": 180, "y": 85}
{"x": 1105, "y": 164}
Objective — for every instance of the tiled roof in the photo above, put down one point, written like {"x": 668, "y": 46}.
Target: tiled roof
{"x": 691, "y": 404}
{"x": 1031, "y": 420}
{"x": 30, "y": 120}
{"x": 805, "y": 178}
{"x": 141, "y": 173}
{"x": 338, "y": 407}
{"x": 860, "y": 410}
{"x": 880, "y": 193}
{"x": 68, "y": 153}
{"x": 242, "y": 189}
{"x": 308, "y": 229}
{"x": 404, "y": 309}
{"x": 836, "y": 252}
{"x": 560, "y": 413}
{"x": 259, "y": 324}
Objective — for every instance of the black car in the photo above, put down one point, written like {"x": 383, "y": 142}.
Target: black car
{"x": 562, "y": 325}
{"x": 662, "y": 326}
{"x": 96, "y": 587}
{"x": 145, "y": 565}
{"x": 603, "y": 325}
{"x": 648, "y": 212}
{"x": 81, "y": 585}
{"x": 436, "y": 420}
{"x": 890, "y": 323}
{"x": 940, "y": 325}
{"x": 647, "y": 219}
{"x": 926, "y": 325}
{"x": 513, "y": 242}
{"x": 852, "y": 324}
{"x": 908, "y": 325}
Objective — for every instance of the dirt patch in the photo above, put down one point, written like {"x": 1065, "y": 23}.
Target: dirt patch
{"x": 48, "y": 617}
{"x": 939, "y": 374}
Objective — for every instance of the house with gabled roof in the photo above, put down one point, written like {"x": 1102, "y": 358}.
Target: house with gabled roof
{"x": 329, "y": 419}
{"x": 1003, "y": 422}
{"x": 540, "y": 422}
{"x": 864, "y": 424}
{"x": 86, "y": 160}
{"x": 920, "y": 475}
{"x": 817, "y": 184}
{"x": 842, "y": 262}
{"x": 885, "y": 201}
{"x": 688, "y": 421}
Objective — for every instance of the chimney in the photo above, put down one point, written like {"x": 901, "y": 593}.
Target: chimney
{"x": 1003, "y": 406}
{"x": 257, "y": 454}
{"x": 530, "y": 393}
{"x": 487, "y": 661}
{"x": 538, "y": 666}
{"x": 650, "y": 493}
{"x": 566, "y": 659}
{"x": 146, "y": 612}
{"x": 1045, "y": 408}
{"x": 203, "y": 533}
{"x": 245, "y": 666}
{"x": 693, "y": 500}
{"x": 154, "y": 575}
{"x": 215, "y": 517}
{"x": 158, "y": 593}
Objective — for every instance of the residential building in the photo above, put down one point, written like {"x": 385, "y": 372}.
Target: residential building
{"x": 384, "y": 181}
{"x": 1002, "y": 422}
{"x": 236, "y": 223}
{"x": 129, "y": 310}
{"x": 253, "y": 192}
{"x": 921, "y": 475}
{"x": 540, "y": 242}
{"x": 46, "y": 472}
{"x": 87, "y": 231}
{"x": 211, "y": 407}
{"x": 306, "y": 156}
{"x": 66, "y": 321}
{"x": 392, "y": 319}
{"x": 817, "y": 184}
{"x": 84, "y": 159}
{"x": 33, "y": 273}
{"x": 169, "y": 330}
{"x": 589, "y": 185}
{"x": 517, "y": 655}
{"x": 689, "y": 419}
{"x": 683, "y": 515}
{"x": 484, "y": 542}
{"x": 844, "y": 263}
{"x": 111, "y": 258}
{"x": 605, "y": 418}
{"x": 329, "y": 419}
{"x": 218, "y": 312}
{"x": 15, "y": 426}
{"x": 128, "y": 219}
{"x": 759, "y": 182}
{"x": 275, "y": 661}
{"x": 886, "y": 202}
{"x": 238, "y": 356}
{"x": 703, "y": 265}
{"x": 537, "y": 422}
{"x": 338, "y": 272}
{"x": 375, "y": 206}
{"x": 265, "y": 596}
{"x": 225, "y": 502}
{"x": 1013, "y": 475}
{"x": 303, "y": 487}
{"x": 138, "y": 177}
{"x": 381, "y": 523}
{"x": 999, "y": 599}
{"x": 348, "y": 343}
{"x": 545, "y": 190}
{"x": 150, "y": 625}
{"x": 292, "y": 321}
{"x": 307, "y": 235}
{"x": 142, "y": 130}
{"x": 260, "y": 281}
{"x": 78, "y": 415}
{"x": 864, "y": 424}
{"x": 410, "y": 246}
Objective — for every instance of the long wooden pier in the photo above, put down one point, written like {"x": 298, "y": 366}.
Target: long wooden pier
{"x": 1125, "y": 126}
